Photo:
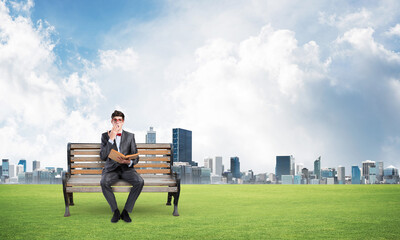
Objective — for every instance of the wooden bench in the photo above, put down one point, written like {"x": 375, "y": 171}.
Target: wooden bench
{"x": 85, "y": 168}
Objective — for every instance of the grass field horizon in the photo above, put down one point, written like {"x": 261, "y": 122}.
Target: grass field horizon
{"x": 208, "y": 212}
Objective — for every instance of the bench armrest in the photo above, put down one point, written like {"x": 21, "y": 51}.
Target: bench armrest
{"x": 65, "y": 176}
{"x": 176, "y": 176}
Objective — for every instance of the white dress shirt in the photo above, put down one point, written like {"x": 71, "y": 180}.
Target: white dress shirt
{"x": 118, "y": 142}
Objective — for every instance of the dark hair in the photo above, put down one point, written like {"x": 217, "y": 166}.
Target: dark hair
{"x": 117, "y": 113}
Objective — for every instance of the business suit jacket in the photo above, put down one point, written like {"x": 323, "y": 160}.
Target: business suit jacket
{"x": 127, "y": 146}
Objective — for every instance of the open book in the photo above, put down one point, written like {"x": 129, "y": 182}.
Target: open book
{"x": 115, "y": 154}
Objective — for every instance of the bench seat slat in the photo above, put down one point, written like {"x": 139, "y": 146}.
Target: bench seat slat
{"x": 121, "y": 189}
{"x": 96, "y": 182}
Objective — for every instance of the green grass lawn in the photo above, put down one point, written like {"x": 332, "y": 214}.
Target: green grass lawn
{"x": 208, "y": 212}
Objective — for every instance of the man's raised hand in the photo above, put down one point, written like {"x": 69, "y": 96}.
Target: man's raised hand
{"x": 113, "y": 133}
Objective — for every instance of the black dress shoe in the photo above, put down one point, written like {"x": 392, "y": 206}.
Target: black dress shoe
{"x": 125, "y": 216}
{"x": 116, "y": 216}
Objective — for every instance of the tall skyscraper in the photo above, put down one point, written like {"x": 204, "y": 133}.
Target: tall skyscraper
{"x": 151, "y": 136}
{"x": 306, "y": 175}
{"x": 35, "y": 165}
{"x": 373, "y": 173}
{"x": 22, "y": 162}
{"x": 20, "y": 169}
{"x": 208, "y": 163}
{"x": 341, "y": 175}
{"x": 5, "y": 170}
{"x": 365, "y": 168}
{"x": 11, "y": 170}
{"x": 317, "y": 168}
{"x": 299, "y": 167}
{"x": 283, "y": 166}
{"x": 182, "y": 145}
{"x": 235, "y": 167}
{"x": 355, "y": 175}
{"x": 380, "y": 171}
{"x": 217, "y": 169}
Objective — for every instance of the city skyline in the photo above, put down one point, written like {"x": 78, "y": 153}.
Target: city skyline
{"x": 151, "y": 138}
{"x": 255, "y": 79}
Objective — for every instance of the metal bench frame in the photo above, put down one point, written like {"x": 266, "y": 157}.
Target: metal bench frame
{"x": 167, "y": 182}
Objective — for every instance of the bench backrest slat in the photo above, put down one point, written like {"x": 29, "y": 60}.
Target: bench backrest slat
{"x": 84, "y": 159}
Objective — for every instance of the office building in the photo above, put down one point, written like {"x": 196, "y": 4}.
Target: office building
{"x": 215, "y": 179}
{"x": 380, "y": 171}
{"x": 151, "y": 136}
{"x": 196, "y": 175}
{"x": 217, "y": 168}
{"x": 355, "y": 175}
{"x": 330, "y": 180}
{"x": 272, "y": 177}
{"x": 391, "y": 175}
{"x": 373, "y": 172}
{"x": 11, "y": 171}
{"x": 305, "y": 175}
{"x": 341, "y": 175}
{"x": 35, "y": 165}
{"x": 261, "y": 178}
{"x": 299, "y": 167}
{"x": 235, "y": 167}
{"x": 228, "y": 176}
{"x": 314, "y": 181}
{"x": 283, "y": 166}
{"x": 28, "y": 177}
{"x": 59, "y": 171}
{"x": 23, "y": 163}
{"x": 365, "y": 168}
{"x": 317, "y": 168}
{"x": 21, "y": 177}
{"x": 5, "y": 169}
{"x": 297, "y": 179}
{"x": 248, "y": 177}
{"x": 205, "y": 175}
{"x": 182, "y": 145}
{"x": 287, "y": 179}
{"x": 208, "y": 163}
{"x": 19, "y": 169}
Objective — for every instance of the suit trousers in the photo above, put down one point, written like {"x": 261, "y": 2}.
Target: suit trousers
{"x": 131, "y": 176}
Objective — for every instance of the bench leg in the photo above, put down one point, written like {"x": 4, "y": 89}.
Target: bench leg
{"x": 176, "y": 199}
{"x": 66, "y": 199}
{"x": 169, "y": 198}
{"x": 71, "y": 199}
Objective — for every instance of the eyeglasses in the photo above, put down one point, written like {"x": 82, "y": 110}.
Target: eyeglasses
{"x": 118, "y": 120}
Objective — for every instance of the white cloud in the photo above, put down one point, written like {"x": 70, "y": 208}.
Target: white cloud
{"x": 237, "y": 100}
{"x": 394, "y": 31}
{"x": 34, "y": 117}
{"x": 362, "y": 18}
{"x": 256, "y": 80}
{"x": 113, "y": 59}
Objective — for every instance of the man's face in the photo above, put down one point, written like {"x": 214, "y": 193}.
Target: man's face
{"x": 118, "y": 121}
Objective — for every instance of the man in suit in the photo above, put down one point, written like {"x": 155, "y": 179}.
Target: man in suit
{"x": 123, "y": 142}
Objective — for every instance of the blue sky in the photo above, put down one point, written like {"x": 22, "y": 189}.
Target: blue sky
{"x": 253, "y": 79}
{"x": 81, "y": 26}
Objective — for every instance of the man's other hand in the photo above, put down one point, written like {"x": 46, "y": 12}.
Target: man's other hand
{"x": 124, "y": 160}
